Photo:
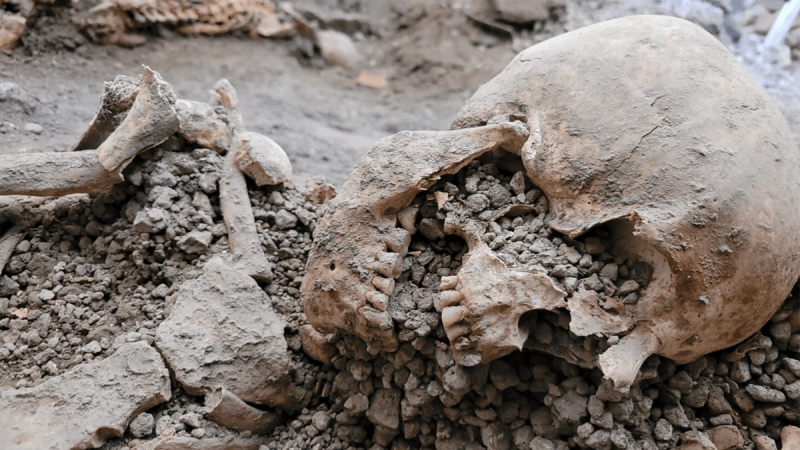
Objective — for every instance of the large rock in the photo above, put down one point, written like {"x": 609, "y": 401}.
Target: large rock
{"x": 223, "y": 333}
{"x": 86, "y": 405}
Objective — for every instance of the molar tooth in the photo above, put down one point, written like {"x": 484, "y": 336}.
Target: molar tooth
{"x": 386, "y": 285}
{"x": 452, "y": 315}
{"x": 408, "y": 217}
{"x": 447, "y": 298}
{"x": 398, "y": 241}
{"x": 388, "y": 264}
{"x": 449, "y": 282}
{"x": 378, "y": 300}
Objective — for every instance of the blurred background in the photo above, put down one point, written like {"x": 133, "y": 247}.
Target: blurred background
{"x": 324, "y": 78}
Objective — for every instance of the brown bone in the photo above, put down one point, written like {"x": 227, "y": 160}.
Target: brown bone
{"x": 646, "y": 125}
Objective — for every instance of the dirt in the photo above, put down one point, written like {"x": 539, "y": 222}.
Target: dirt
{"x": 318, "y": 114}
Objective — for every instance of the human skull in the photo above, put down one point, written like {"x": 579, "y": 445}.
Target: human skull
{"x": 645, "y": 125}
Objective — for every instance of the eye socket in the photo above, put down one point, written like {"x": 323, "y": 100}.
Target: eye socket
{"x": 332, "y": 265}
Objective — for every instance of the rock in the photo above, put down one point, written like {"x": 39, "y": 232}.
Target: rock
{"x": 338, "y": 49}
{"x": 142, "y": 425}
{"x": 663, "y": 430}
{"x": 321, "y": 420}
{"x": 790, "y": 437}
{"x": 571, "y": 407}
{"x": 195, "y": 242}
{"x": 540, "y": 443}
{"x": 262, "y": 159}
{"x": 696, "y": 440}
{"x": 34, "y": 128}
{"x": 284, "y": 220}
{"x": 726, "y": 437}
{"x": 676, "y": 416}
{"x": 496, "y": 436}
{"x": 92, "y": 347}
{"x": 88, "y": 404}
{"x": 764, "y": 442}
{"x": 357, "y": 404}
{"x": 314, "y": 344}
{"x": 523, "y": 12}
{"x": 765, "y": 394}
{"x": 222, "y": 332}
{"x": 384, "y": 409}
{"x": 503, "y": 375}
{"x": 12, "y": 27}
{"x": 201, "y": 125}
{"x": 150, "y": 220}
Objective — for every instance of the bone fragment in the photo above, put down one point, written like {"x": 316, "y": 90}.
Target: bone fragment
{"x": 200, "y": 124}
{"x": 622, "y": 361}
{"x": 55, "y": 174}
{"x": 408, "y": 217}
{"x": 588, "y": 318}
{"x": 151, "y": 120}
{"x": 260, "y": 158}
{"x": 247, "y": 253}
{"x": 168, "y": 441}
{"x": 8, "y": 242}
{"x": 228, "y": 410}
{"x": 117, "y": 100}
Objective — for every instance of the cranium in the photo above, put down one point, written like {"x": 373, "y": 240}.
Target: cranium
{"x": 645, "y": 125}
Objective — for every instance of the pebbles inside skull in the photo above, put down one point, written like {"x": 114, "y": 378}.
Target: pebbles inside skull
{"x": 511, "y": 281}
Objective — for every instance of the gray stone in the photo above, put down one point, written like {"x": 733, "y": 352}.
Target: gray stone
{"x": 191, "y": 419}
{"x": 223, "y": 332}
{"x": 34, "y": 128}
{"x": 740, "y": 372}
{"x": 142, "y": 425}
{"x": 321, "y": 420}
{"x": 496, "y": 436}
{"x": 384, "y": 409}
{"x": 150, "y": 220}
{"x": 195, "y": 242}
{"x": 663, "y": 430}
{"x": 503, "y": 375}
{"x": 540, "y": 443}
{"x": 793, "y": 365}
{"x": 676, "y": 416}
{"x": 285, "y": 220}
{"x": 92, "y": 347}
{"x": 262, "y": 159}
{"x": 764, "y": 442}
{"x": 792, "y": 390}
{"x": 571, "y": 407}
{"x": 88, "y": 404}
{"x": 765, "y": 394}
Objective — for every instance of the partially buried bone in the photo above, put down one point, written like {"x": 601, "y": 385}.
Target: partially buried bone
{"x": 247, "y": 253}
{"x": 226, "y": 409}
{"x": 670, "y": 146}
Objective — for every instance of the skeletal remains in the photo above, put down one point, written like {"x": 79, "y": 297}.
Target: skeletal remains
{"x": 644, "y": 125}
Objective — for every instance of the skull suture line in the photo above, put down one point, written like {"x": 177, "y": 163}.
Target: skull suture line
{"x": 646, "y": 125}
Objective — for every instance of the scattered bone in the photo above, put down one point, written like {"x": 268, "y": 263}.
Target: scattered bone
{"x": 247, "y": 254}
{"x": 55, "y": 174}
{"x": 169, "y": 441}
{"x": 116, "y": 102}
{"x": 87, "y": 405}
{"x": 260, "y": 158}
{"x": 229, "y": 410}
{"x": 150, "y": 121}
{"x": 222, "y": 332}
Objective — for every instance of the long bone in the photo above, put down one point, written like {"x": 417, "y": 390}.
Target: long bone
{"x": 150, "y": 121}
{"x": 246, "y": 250}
